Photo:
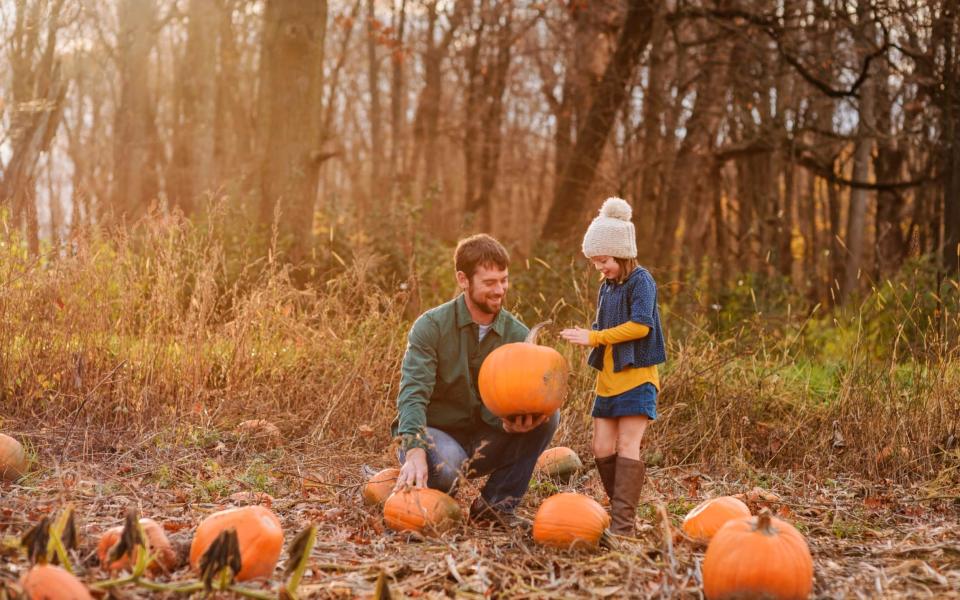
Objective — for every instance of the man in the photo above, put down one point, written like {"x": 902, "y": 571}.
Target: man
{"x": 444, "y": 428}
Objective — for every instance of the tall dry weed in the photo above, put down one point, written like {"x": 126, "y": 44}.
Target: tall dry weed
{"x": 147, "y": 330}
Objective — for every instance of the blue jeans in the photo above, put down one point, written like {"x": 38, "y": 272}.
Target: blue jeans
{"x": 509, "y": 459}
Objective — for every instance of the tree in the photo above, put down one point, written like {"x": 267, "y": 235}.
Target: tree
{"x": 579, "y": 171}
{"x": 135, "y": 176}
{"x": 195, "y": 131}
{"x": 290, "y": 84}
{"x": 38, "y": 95}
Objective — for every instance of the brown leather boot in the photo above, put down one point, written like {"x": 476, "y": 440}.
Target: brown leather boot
{"x": 607, "y": 467}
{"x": 626, "y": 494}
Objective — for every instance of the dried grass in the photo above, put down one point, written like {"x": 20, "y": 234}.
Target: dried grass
{"x": 125, "y": 365}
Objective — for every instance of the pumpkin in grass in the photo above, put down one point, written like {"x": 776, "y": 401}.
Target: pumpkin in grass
{"x": 423, "y": 510}
{"x": 559, "y": 463}
{"x": 709, "y": 516}
{"x": 523, "y": 378}
{"x": 50, "y": 582}
{"x": 165, "y": 557}
{"x": 380, "y": 486}
{"x": 758, "y": 557}
{"x": 259, "y": 533}
{"x": 569, "y": 520}
{"x": 13, "y": 458}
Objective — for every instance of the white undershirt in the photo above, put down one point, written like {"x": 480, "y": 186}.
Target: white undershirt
{"x": 483, "y": 330}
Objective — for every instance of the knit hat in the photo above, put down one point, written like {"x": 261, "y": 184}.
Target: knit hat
{"x": 611, "y": 233}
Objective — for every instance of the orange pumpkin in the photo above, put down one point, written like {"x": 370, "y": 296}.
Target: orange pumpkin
{"x": 165, "y": 556}
{"x": 13, "y": 459}
{"x": 758, "y": 557}
{"x": 709, "y": 516}
{"x": 559, "y": 463}
{"x": 258, "y": 531}
{"x": 523, "y": 378}
{"x": 380, "y": 486}
{"x": 422, "y": 510}
{"x": 50, "y": 582}
{"x": 568, "y": 520}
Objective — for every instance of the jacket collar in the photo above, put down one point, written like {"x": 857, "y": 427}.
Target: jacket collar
{"x": 464, "y": 318}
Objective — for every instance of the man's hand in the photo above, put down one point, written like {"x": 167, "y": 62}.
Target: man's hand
{"x": 522, "y": 423}
{"x": 576, "y": 335}
{"x": 414, "y": 471}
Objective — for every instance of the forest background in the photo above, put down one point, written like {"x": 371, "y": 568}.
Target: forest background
{"x": 212, "y": 210}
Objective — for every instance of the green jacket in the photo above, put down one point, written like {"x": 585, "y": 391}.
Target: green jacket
{"x": 438, "y": 382}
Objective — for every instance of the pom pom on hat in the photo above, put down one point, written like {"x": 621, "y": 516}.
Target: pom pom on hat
{"x": 616, "y": 208}
{"x": 612, "y": 232}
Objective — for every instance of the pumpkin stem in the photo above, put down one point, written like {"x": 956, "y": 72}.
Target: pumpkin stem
{"x": 764, "y": 525}
{"x": 535, "y": 331}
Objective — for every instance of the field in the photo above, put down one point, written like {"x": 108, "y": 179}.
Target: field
{"x": 126, "y": 366}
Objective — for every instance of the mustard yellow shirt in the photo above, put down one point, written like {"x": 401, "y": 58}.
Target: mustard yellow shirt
{"x": 610, "y": 383}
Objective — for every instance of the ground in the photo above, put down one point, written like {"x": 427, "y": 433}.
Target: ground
{"x": 868, "y": 539}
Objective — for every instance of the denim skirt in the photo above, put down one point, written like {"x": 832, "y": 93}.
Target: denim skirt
{"x": 641, "y": 400}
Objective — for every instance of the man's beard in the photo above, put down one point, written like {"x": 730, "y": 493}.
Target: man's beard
{"x": 483, "y": 305}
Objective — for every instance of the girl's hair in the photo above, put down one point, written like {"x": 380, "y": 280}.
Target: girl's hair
{"x": 627, "y": 265}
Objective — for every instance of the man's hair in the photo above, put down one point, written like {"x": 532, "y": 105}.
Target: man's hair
{"x": 477, "y": 250}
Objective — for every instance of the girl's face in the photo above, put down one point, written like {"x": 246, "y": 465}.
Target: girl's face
{"x": 607, "y": 265}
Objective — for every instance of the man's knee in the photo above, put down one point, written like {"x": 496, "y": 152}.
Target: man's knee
{"x": 443, "y": 477}
{"x": 445, "y": 457}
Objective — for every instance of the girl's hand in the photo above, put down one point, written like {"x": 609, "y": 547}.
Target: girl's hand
{"x": 576, "y": 335}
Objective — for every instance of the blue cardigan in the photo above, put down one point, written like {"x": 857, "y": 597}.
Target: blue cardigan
{"x": 633, "y": 300}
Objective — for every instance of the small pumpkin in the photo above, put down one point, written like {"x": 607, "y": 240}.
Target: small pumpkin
{"x": 569, "y": 520}
{"x": 380, "y": 486}
{"x": 758, "y": 557}
{"x": 13, "y": 458}
{"x": 523, "y": 378}
{"x": 559, "y": 463}
{"x": 423, "y": 510}
{"x": 50, "y": 582}
{"x": 165, "y": 556}
{"x": 259, "y": 533}
{"x": 709, "y": 516}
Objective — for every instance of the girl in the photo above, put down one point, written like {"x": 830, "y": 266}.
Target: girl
{"x": 627, "y": 342}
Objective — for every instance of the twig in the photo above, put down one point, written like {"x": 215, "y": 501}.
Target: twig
{"x": 946, "y": 547}
{"x": 928, "y": 499}
{"x": 668, "y": 545}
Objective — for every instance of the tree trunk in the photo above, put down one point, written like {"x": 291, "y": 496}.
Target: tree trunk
{"x": 721, "y": 258}
{"x": 890, "y": 244}
{"x": 472, "y": 106}
{"x": 38, "y": 93}
{"x": 579, "y": 172}
{"x": 691, "y": 160}
{"x": 293, "y": 39}
{"x": 373, "y": 84}
{"x": 863, "y": 151}
{"x": 195, "y": 135}
{"x": 653, "y": 108}
{"x": 950, "y": 109}
{"x": 426, "y": 127}
{"x": 491, "y": 134}
{"x": 134, "y": 151}
{"x": 837, "y": 250}
{"x": 397, "y": 94}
